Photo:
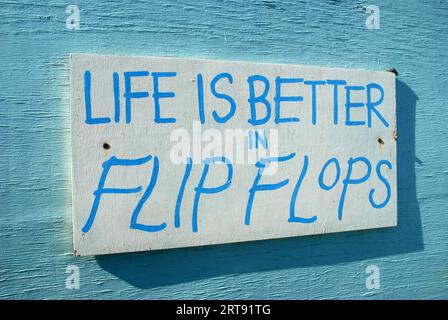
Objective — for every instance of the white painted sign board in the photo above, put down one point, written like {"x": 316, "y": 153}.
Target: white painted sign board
{"x": 173, "y": 152}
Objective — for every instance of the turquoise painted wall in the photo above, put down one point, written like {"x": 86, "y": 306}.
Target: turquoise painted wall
{"x": 35, "y": 200}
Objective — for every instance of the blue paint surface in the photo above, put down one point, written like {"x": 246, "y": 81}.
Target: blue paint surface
{"x": 35, "y": 200}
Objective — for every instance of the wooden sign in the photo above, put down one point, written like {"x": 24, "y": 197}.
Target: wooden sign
{"x": 173, "y": 153}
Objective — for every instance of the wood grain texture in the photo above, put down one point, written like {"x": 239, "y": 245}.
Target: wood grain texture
{"x": 35, "y": 201}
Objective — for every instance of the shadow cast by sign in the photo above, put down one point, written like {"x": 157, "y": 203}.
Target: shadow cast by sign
{"x": 160, "y": 268}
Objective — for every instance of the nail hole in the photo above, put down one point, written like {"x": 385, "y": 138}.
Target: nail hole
{"x": 106, "y": 146}
{"x": 380, "y": 141}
